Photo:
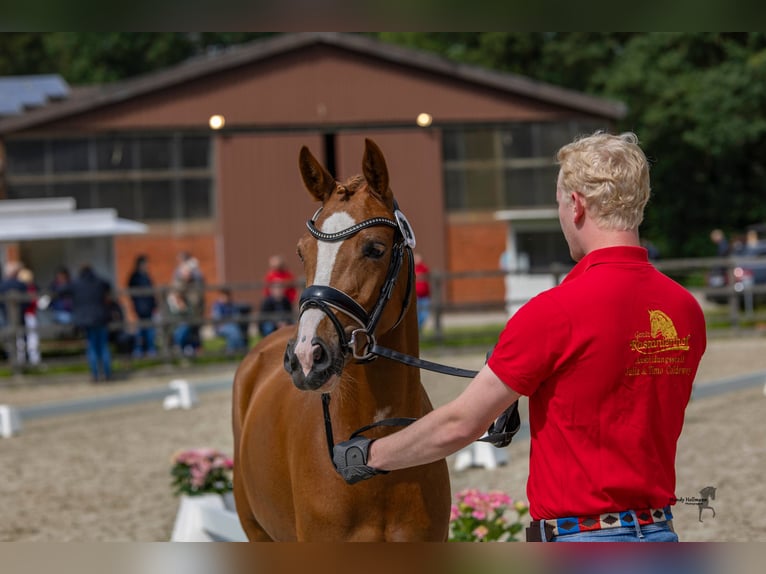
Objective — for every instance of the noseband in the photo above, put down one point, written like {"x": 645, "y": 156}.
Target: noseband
{"x": 327, "y": 298}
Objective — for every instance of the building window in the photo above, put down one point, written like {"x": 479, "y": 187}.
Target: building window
{"x": 506, "y": 166}
{"x": 158, "y": 177}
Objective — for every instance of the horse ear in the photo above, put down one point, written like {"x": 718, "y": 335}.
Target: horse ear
{"x": 316, "y": 178}
{"x": 376, "y": 172}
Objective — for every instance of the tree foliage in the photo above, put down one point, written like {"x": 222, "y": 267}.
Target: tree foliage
{"x": 696, "y": 100}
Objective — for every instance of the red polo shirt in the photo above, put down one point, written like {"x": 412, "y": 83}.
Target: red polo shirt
{"x": 607, "y": 359}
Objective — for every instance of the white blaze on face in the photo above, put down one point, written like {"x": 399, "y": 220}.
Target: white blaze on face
{"x": 326, "y": 254}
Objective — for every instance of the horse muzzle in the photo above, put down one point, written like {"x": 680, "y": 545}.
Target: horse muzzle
{"x": 311, "y": 370}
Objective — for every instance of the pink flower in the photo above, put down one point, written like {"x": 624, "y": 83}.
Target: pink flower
{"x": 480, "y": 532}
{"x": 479, "y": 514}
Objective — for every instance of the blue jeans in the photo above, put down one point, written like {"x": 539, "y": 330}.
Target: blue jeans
{"x": 233, "y": 335}
{"x": 99, "y": 356}
{"x": 658, "y": 532}
{"x": 424, "y": 304}
{"x": 145, "y": 340}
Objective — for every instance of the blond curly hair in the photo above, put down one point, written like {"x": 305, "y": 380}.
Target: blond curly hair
{"x": 612, "y": 173}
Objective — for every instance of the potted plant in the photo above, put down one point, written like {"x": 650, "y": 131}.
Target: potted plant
{"x": 492, "y": 516}
{"x": 202, "y": 478}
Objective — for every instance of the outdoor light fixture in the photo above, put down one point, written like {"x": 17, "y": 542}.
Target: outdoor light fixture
{"x": 216, "y": 121}
{"x": 424, "y": 120}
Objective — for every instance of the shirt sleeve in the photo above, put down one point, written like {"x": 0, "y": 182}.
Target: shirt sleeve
{"x": 530, "y": 348}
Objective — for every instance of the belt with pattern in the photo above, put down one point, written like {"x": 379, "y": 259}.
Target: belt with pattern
{"x": 576, "y": 524}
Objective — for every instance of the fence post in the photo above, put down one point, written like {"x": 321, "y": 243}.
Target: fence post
{"x": 165, "y": 326}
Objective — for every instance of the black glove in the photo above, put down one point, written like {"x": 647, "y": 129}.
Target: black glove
{"x": 350, "y": 459}
{"x": 501, "y": 432}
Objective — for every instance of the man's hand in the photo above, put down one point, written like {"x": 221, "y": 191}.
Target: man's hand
{"x": 350, "y": 460}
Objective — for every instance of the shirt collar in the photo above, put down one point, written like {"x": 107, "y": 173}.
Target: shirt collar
{"x": 620, "y": 254}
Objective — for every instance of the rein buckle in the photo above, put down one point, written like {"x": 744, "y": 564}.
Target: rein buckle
{"x": 360, "y": 346}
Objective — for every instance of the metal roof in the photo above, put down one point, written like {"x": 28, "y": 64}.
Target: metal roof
{"x": 20, "y": 93}
{"x": 261, "y": 50}
{"x": 28, "y": 219}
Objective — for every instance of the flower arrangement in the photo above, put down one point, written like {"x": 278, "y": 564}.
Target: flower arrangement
{"x": 201, "y": 471}
{"x": 486, "y": 517}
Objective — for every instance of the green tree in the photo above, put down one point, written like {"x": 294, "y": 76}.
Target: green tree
{"x": 697, "y": 101}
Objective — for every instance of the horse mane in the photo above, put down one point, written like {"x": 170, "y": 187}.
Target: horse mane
{"x": 349, "y": 187}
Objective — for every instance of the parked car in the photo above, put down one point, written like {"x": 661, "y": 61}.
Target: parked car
{"x": 749, "y": 271}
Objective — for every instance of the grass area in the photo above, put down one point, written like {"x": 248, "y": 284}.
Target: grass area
{"x": 479, "y": 336}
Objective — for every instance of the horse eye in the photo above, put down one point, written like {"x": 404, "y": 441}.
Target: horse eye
{"x": 300, "y": 255}
{"x": 374, "y": 250}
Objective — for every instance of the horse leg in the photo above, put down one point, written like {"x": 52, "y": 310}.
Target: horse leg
{"x": 253, "y": 530}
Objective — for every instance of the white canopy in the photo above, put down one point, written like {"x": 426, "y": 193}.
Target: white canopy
{"x": 32, "y": 219}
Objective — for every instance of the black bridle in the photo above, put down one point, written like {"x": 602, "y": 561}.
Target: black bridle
{"x": 361, "y": 343}
{"x": 327, "y": 298}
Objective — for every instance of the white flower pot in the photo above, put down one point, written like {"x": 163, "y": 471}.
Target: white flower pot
{"x": 207, "y": 518}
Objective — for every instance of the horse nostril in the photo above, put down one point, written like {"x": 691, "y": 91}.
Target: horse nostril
{"x": 318, "y": 353}
{"x": 291, "y": 362}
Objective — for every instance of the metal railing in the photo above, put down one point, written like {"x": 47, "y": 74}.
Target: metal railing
{"x": 739, "y": 311}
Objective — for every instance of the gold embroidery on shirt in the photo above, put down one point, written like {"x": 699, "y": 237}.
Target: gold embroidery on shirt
{"x": 662, "y": 337}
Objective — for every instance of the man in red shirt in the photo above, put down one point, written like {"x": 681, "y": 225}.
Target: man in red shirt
{"x": 607, "y": 360}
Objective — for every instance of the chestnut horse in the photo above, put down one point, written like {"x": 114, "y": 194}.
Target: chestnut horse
{"x": 357, "y": 261}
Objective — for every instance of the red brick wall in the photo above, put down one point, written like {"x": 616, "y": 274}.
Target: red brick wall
{"x": 475, "y": 246}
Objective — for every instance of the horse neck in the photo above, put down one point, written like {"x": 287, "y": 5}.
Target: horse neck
{"x": 389, "y": 383}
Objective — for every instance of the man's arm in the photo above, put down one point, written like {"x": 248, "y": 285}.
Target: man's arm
{"x": 446, "y": 429}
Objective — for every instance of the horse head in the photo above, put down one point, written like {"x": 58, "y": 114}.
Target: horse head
{"x": 352, "y": 255}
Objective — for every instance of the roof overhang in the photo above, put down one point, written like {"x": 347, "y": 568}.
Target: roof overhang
{"x": 35, "y": 219}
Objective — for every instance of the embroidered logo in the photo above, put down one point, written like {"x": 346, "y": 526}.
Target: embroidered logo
{"x": 662, "y": 336}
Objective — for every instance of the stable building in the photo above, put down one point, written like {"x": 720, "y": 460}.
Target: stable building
{"x": 204, "y": 154}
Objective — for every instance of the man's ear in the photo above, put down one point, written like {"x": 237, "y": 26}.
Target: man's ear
{"x": 578, "y": 207}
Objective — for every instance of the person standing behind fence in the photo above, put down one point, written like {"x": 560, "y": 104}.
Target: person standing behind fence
{"x": 11, "y": 286}
{"x": 422, "y": 289}
{"x": 191, "y": 284}
{"x": 28, "y": 347}
{"x": 89, "y": 312}
{"x": 144, "y": 305}
{"x": 279, "y": 273}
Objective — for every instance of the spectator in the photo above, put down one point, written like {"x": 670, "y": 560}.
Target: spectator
{"x": 751, "y": 242}
{"x": 278, "y": 272}
{"x": 276, "y": 310}
{"x": 422, "y": 289}
{"x": 144, "y": 305}
{"x": 90, "y": 297}
{"x": 225, "y": 313}
{"x": 10, "y": 286}
{"x": 721, "y": 243}
{"x": 29, "y": 347}
{"x": 182, "y": 334}
{"x": 61, "y": 301}
{"x": 190, "y": 283}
